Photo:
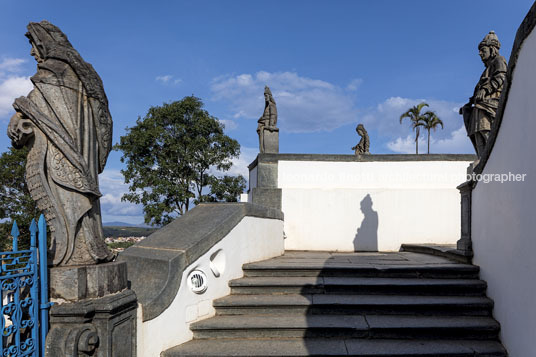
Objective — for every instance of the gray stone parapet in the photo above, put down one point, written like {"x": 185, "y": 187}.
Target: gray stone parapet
{"x": 264, "y": 171}
{"x": 274, "y": 158}
{"x": 156, "y": 264}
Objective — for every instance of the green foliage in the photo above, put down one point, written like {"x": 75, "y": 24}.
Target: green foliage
{"x": 123, "y": 245}
{"x": 170, "y": 155}
{"x": 226, "y": 188}
{"x": 15, "y": 201}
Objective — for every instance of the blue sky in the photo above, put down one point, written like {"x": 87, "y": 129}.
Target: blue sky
{"x": 330, "y": 64}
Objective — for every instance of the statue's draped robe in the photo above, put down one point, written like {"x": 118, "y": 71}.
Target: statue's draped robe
{"x": 71, "y": 144}
{"x": 268, "y": 121}
{"x": 491, "y": 80}
{"x": 363, "y": 145}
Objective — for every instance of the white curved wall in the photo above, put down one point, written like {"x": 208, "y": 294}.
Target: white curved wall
{"x": 251, "y": 240}
{"x": 326, "y": 204}
{"x": 503, "y": 214}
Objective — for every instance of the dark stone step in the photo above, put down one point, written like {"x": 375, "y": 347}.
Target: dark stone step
{"x": 350, "y": 285}
{"x": 342, "y": 326}
{"x": 337, "y": 347}
{"x": 353, "y": 304}
{"x": 281, "y": 269}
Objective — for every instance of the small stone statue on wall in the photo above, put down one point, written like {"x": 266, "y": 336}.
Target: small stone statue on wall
{"x": 480, "y": 111}
{"x": 364, "y": 144}
{"x": 267, "y": 128}
{"x": 66, "y": 123}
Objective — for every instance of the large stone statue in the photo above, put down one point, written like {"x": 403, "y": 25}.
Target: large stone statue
{"x": 267, "y": 128}
{"x": 66, "y": 123}
{"x": 364, "y": 144}
{"x": 479, "y": 113}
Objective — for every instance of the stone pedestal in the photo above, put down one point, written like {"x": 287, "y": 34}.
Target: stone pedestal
{"x": 266, "y": 197}
{"x": 103, "y": 327}
{"x": 265, "y": 191}
{"x": 271, "y": 141}
{"x": 94, "y": 312}
{"x": 75, "y": 283}
{"x": 464, "y": 244}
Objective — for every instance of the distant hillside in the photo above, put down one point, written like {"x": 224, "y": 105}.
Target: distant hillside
{"x": 127, "y": 231}
{"x": 124, "y": 224}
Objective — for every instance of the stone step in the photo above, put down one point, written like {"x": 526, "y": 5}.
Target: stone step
{"x": 350, "y": 285}
{"x": 337, "y": 347}
{"x": 344, "y": 326}
{"x": 353, "y": 304}
{"x": 342, "y": 269}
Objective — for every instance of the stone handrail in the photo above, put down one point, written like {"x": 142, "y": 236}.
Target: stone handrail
{"x": 156, "y": 264}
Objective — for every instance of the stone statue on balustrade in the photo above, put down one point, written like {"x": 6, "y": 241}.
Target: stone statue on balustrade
{"x": 267, "y": 128}
{"x": 480, "y": 111}
{"x": 66, "y": 123}
{"x": 364, "y": 144}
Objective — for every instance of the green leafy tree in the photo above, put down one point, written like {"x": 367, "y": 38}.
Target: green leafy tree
{"x": 170, "y": 158}
{"x": 226, "y": 188}
{"x": 416, "y": 117}
{"x": 430, "y": 121}
{"x": 15, "y": 201}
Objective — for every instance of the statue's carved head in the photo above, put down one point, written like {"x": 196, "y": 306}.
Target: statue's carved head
{"x": 489, "y": 47}
{"x": 268, "y": 94}
{"x": 36, "y": 53}
{"x": 19, "y": 130}
{"x": 360, "y": 129}
{"x": 47, "y": 40}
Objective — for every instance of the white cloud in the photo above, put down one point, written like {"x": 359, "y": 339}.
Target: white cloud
{"x": 240, "y": 164}
{"x": 354, "y": 84}
{"x": 229, "y": 124}
{"x": 164, "y": 79}
{"x": 385, "y": 118}
{"x": 303, "y": 104}
{"x": 11, "y": 88}
{"x": 112, "y": 187}
{"x": 406, "y": 145}
{"x": 168, "y": 78}
{"x": 12, "y": 84}
{"x": 456, "y": 143}
{"x": 11, "y": 64}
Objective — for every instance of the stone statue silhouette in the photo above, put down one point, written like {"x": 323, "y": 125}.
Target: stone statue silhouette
{"x": 267, "y": 128}
{"x": 364, "y": 144}
{"x": 480, "y": 111}
{"x": 66, "y": 123}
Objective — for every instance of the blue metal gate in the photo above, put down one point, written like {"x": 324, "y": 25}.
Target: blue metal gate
{"x": 24, "y": 300}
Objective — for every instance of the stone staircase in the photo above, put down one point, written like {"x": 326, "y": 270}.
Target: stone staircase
{"x": 357, "y": 304}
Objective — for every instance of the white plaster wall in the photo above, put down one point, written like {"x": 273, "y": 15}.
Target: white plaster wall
{"x": 253, "y": 239}
{"x": 412, "y": 202}
{"x": 503, "y": 214}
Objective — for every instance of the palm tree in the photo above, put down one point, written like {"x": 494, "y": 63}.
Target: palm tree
{"x": 430, "y": 121}
{"x": 414, "y": 114}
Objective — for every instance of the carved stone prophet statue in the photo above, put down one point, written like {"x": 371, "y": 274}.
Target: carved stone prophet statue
{"x": 480, "y": 111}
{"x": 364, "y": 144}
{"x": 67, "y": 125}
{"x": 267, "y": 128}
